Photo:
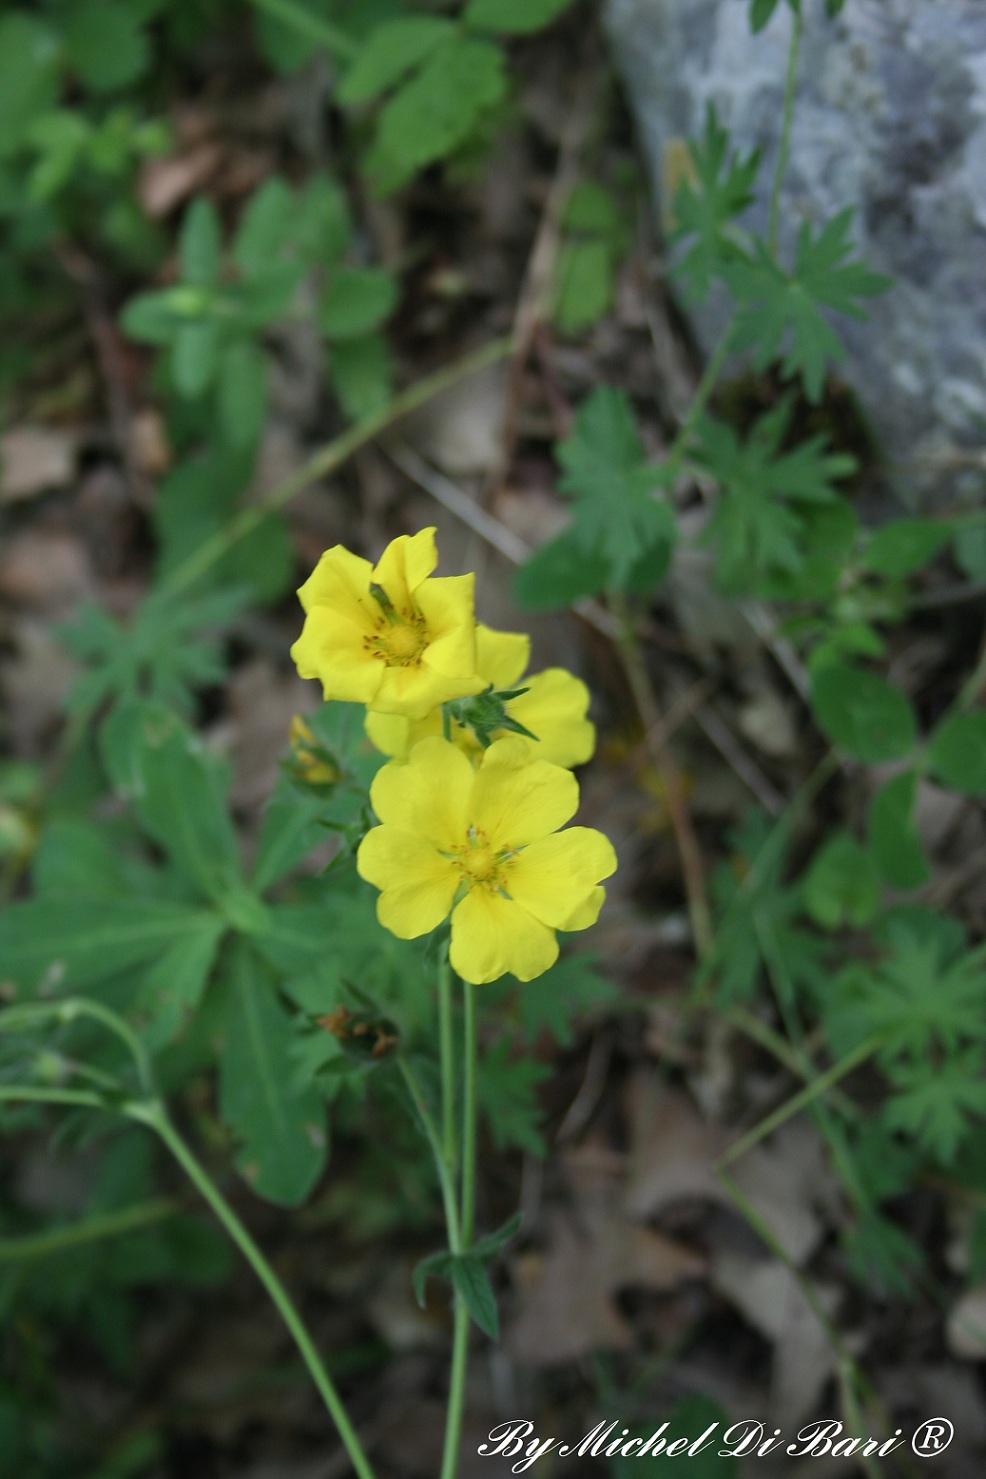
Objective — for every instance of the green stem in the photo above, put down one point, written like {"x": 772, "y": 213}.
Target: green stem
{"x": 16, "y": 1018}
{"x": 784, "y": 146}
{"x": 299, "y": 19}
{"x": 30, "y": 1094}
{"x": 460, "y": 1337}
{"x": 445, "y": 1026}
{"x": 699, "y": 401}
{"x": 441, "y": 1165}
{"x": 92, "y": 1230}
{"x": 328, "y": 459}
{"x": 154, "y": 1117}
{"x": 800, "y": 1101}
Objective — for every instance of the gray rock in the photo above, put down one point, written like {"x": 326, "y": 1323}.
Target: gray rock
{"x": 890, "y": 119}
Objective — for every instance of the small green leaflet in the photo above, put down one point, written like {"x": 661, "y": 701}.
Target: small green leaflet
{"x": 841, "y": 886}
{"x": 467, "y": 1273}
{"x": 279, "y": 1123}
{"x": 757, "y": 527}
{"x": 893, "y": 838}
{"x": 862, "y": 713}
{"x": 512, "y": 17}
{"x": 703, "y": 207}
{"x": 903, "y": 546}
{"x": 781, "y": 314}
{"x": 612, "y": 486}
{"x": 936, "y": 1103}
{"x": 506, "y": 1090}
{"x": 391, "y": 51}
{"x": 957, "y": 752}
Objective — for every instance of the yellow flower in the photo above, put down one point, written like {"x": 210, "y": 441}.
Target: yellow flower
{"x": 386, "y": 635}
{"x": 483, "y": 845}
{"x": 553, "y": 708}
{"x": 311, "y": 763}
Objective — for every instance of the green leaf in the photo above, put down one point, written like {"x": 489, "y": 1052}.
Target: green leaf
{"x": 180, "y": 800}
{"x": 591, "y": 211}
{"x": 938, "y": 1103}
{"x": 616, "y": 514}
{"x": 322, "y": 225}
{"x": 195, "y": 357}
{"x": 291, "y": 32}
{"x": 512, "y": 17}
{"x": 265, "y": 226}
{"x": 75, "y": 943}
{"x": 150, "y": 318}
{"x": 435, "y": 1266}
{"x": 242, "y": 392}
{"x": 106, "y": 44}
{"x": 29, "y": 57}
{"x": 957, "y": 753}
{"x": 280, "y": 1124}
{"x": 391, "y": 51}
{"x": 760, "y": 13}
{"x": 705, "y": 206}
{"x": 893, "y": 837}
{"x": 171, "y": 990}
{"x": 472, "y": 1282}
{"x": 584, "y": 287}
{"x": 900, "y": 548}
{"x": 291, "y": 828}
{"x": 558, "y": 574}
{"x": 781, "y": 314}
{"x": 362, "y": 375}
{"x": 564, "y": 993}
{"x": 841, "y": 886}
{"x": 76, "y": 858}
{"x": 506, "y": 1091}
{"x": 759, "y": 524}
{"x": 969, "y": 549}
{"x": 437, "y": 110}
{"x": 200, "y": 244}
{"x": 863, "y": 714}
{"x": 356, "y": 301}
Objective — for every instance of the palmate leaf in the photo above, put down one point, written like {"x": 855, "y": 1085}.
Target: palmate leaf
{"x": 758, "y": 525}
{"x": 506, "y": 1090}
{"x": 279, "y": 1122}
{"x": 704, "y": 206}
{"x": 781, "y": 315}
{"x": 616, "y": 516}
{"x": 937, "y": 1103}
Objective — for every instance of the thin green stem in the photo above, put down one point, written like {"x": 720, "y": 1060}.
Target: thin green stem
{"x": 302, "y": 20}
{"x": 469, "y": 1116}
{"x": 446, "y": 1048}
{"x": 32, "y": 1094}
{"x": 784, "y": 146}
{"x": 331, "y": 456}
{"x": 114, "y": 1224}
{"x": 460, "y": 1337}
{"x": 800, "y": 1101}
{"x": 441, "y": 1165}
{"x": 699, "y": 401}
{"x": 16, "y": 1018}
{"x": 154, "y": 1117}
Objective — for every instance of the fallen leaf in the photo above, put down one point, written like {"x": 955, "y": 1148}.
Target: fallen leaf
{"x": 965, "y": 1331}
{"x": 33, "y": 459}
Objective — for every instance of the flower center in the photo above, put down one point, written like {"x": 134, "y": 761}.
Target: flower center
{"x": 481, "y": 865}
{"x": 400, "y": 637}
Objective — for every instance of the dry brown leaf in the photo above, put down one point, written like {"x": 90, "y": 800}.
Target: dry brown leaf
{"x": 33, "y": 459}
{"x": 165, "y": 183}
{"x": 45, "y": 571}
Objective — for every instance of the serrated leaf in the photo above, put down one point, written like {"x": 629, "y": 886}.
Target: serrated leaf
{"x": 512, "y": 17}
{"x": 957, "y": 753}
{"x": 472, "y": 1282}
{"x": 506, "y": 1091}
{"x": 438, "y": 109}
{"x": 841, "y": 885}
{"x": 938, "y": 1104}
{"x": 893, "y": 837}
{"x": 280, "y": 1124}
{"x": 612, "y": 486}
{"x": 389, "y": 53}
{"x": 863, "y": 714}
{"x": 567, "y": 991}
{"x": 75, "y": 943}
{"x": 356, "y": 301}
{"x": 900, "y": 548}
{"x": 781, "y": 315}
{"x": 706, "y": 204}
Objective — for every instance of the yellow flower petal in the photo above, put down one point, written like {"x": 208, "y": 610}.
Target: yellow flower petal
{"x": 331, "y": 649}
{"x": 492, "y": 935}
{"x": 501, "y": 657}
{"x": 417, "y": 883}
{"x": 428, "y": 795}
{"x": 447, "y": 606}
{"x": 518, "y": 799}
{"x": 340, "y": 580}
{"x": 554, "y": 708}
{"x": 552, "y": 878}
{"x": 404, "y": 564}
{"x": 587, "y": 913}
